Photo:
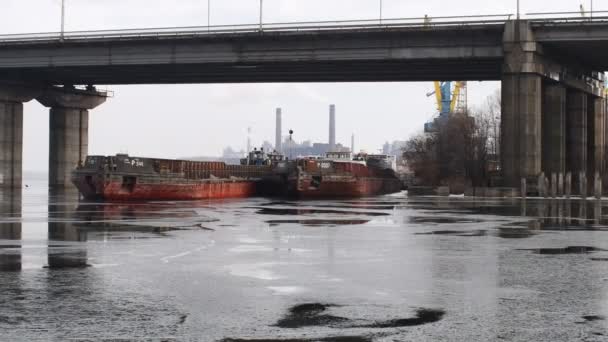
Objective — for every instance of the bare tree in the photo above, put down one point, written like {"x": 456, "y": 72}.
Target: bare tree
{"x": 461, "y": 149}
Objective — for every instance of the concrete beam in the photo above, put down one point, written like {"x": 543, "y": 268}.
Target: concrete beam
{"x": 554, "y": 130}
{"x": 67, "y": 97}
{"x": 12, "y": 98}
{"x": 471, "y": 52}
{"x": 69, "y": 130}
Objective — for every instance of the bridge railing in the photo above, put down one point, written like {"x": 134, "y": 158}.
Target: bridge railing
{"x": 567, "y": 17}
{"x": 387, "y": 23}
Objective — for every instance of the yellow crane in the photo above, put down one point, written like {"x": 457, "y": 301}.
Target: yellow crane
{"x": 450, "y": 100}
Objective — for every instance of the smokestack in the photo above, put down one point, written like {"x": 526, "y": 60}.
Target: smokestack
{"x": 279, "y": 132}
{"x": 352, "y": 143}
{"x": 332, "y": 127}
{"x": 248, "y": 139}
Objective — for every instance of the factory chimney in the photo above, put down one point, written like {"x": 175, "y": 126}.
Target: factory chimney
{"x": 279, "y": 130}
{"x": 248, "y": 140}
{"x": 352, "y": 144}
{"x": 332, "y": 127}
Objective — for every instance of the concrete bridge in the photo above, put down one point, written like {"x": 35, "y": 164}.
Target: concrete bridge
{"x": 554, "y": 118}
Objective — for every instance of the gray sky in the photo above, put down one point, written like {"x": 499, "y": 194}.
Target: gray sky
{"x": 187, "y": 120}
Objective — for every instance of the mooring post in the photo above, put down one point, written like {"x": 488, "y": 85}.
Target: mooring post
{"x": 553, "y": 185}
{"x": 583, "y": 184}
{"x": 568, "y": 185}
{"x": 524, "y": 191}
{"x": 541, "y": 185}
{"x": 560, "y": 185}
{"x": 597, "y": 183}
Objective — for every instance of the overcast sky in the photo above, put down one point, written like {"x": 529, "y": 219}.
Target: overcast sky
{"x": 187, "y": 120}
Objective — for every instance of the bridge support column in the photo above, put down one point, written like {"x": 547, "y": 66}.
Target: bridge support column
{"x": 11, "y": 134}
{"x": 576, "y": 123}
{"x": 597, "y": 136}
{"x": 554, "y": 130}
{"x": 521, "y": 122}
{"x": 521, "y": 127}
{"x": 69, "y": 130}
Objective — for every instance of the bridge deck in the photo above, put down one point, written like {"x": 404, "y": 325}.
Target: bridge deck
{"x": 307, "y": 52}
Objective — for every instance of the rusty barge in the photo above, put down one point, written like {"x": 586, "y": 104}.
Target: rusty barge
{"x": 126, "y": 178}
{"x": 339, "y": 175}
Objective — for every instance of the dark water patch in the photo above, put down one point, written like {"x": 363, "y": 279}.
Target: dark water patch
{"x": 320, "y": 339}
{"x": 463, "y": 233}
{"x": 373, "y": 202}
{"x": 112, "y": 227}
{"x": 514, "y": 233}
{"x": 195, "y": 227}
{"x": 275, "y": 203}
{"x": 317, "y": 222}
{"x": 423, "y": 316}
{"x": 357, "y": 206}
{"x": 291, "y": 211}
{"x": 313, "y": 314}
{"x": 593, "y": 318}
{"x": 66, "y": 266}
{"x": 599, "y": 259}
{"x": 12, "y": 320}
{"x": 565, "y": 250}
{"x": 310, "y": 315}
{"x": 182, "y": 319}
{"x": 441, "y": 220}
{"x": 117, "y": 237}
{"x": 9, "y": 246}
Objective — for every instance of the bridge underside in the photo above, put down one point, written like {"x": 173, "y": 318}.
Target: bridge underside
{"x": 338, "y": 71}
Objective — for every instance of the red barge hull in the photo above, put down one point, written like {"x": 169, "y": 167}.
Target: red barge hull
{"x": 353, "y": 187}
{"x": 124, "y": 178}
{"x": 115, "y": 191}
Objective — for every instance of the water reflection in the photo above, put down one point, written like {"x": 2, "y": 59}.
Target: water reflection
{"x": 10, "y": 230}
{"x": 66, "y": 241}
{"x": 567, "y": 215}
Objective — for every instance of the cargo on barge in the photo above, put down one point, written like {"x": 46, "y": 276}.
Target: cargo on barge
{"x": 126, "y": 178}
{"x": 339, "y": 175}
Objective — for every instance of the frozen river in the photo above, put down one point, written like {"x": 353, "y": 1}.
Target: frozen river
{"x": 388, "y": 268}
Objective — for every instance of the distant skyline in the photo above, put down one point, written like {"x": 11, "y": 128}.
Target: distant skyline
{"x": 173, "y": 121}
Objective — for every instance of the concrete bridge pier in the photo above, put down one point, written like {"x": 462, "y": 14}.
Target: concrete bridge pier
{"x": 521, "y": 121}
{"x": 11, "y": 133}
{"x": 552, "y": 122}
{"x": 554, "y": 133}
{"x": 597, "y": 136}
{"x": 577, "y": 126}
{"x": 69, "y": 130}
{"x": 521, "y": 126}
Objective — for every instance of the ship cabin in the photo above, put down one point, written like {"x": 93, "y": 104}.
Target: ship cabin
{"x": 276, "y": 157}
{"x": 383, "y": 161}
{"x": 339, "y": 156}
{"x": 256, "y": 157}
{"x": 343, "y": 157}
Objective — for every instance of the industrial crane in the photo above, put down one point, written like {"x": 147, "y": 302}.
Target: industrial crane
{"x": 449, "y": 100}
